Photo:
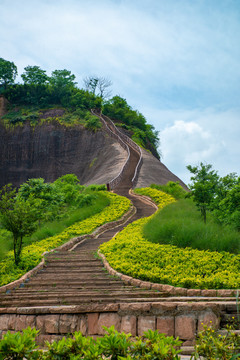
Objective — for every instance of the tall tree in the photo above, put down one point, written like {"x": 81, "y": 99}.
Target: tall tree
{"x": 203, "y": 187}
{"x": 62, "y": 79}
{"x": 8, "y": 72}
{"x": 34, "y": 75}
{"x": 18, "y": 216}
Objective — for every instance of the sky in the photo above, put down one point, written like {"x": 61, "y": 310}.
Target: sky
{"x": 175, "y": 61}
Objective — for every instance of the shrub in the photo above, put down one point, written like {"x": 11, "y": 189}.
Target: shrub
{"x": 172, "y": 188}
{"x": 18, "y": 346}
{"x": 211, "y": 345}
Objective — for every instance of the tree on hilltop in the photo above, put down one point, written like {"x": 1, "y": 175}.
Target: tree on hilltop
{"x": 34, "y": 75}
{"x": 8, "y": 72}
{"x": 99, "y": 86}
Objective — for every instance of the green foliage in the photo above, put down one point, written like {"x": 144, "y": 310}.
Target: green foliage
{"x": 8, "y": 73}
{"x": 211, "y": 345}
{"x": 180, "y": 224}
{"x": 219, "y": 195}
{"x": 18, "y": 216}
{"x": 113, "y": 345}
{"x": 34, "y": 75}
{"x": 172, "y": 188}
{"x": 203, "y": 187}
{"x": 32, "y": 253}
{"x": 93, "y": 123}
{"x": 130, "y": 253}
{"x": 144, "y": 134}
{"x": 19, "y": 346}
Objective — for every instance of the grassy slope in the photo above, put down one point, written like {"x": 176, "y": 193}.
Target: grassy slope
{"x": 132, "y": 254}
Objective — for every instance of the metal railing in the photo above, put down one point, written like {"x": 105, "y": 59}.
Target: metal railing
{"x": 115, "y": 181}
{"x": 131, "y": 143}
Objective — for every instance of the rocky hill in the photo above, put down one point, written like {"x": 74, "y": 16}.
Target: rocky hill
{"x": 51, "y": 150}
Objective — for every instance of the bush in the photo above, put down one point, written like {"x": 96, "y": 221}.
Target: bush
{"x": 18, "y": 346}
{"x": 113, "y": 345}
{"x": 172, "y": 188}
{"x": 211, "y": 345}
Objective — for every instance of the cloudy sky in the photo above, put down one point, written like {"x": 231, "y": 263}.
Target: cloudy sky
{"x": 176, "y": 61}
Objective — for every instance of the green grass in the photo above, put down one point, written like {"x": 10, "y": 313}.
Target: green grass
{"x": 55, "y": 227}
{"x": 5, "y": 242}
{"x": 180, "y": 224}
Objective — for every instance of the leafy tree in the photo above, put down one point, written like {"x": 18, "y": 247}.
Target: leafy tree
{"x": 62, "y": 79}
{"x": 226, "y": 205}
{"x": 62, "y": 85}
{"x": 203, "y": 187}
{"x": 18, "y": 216}
{"x": 8, "y": 72}
{"x": 50, "y": 201}
{"x": 34, "y": 75}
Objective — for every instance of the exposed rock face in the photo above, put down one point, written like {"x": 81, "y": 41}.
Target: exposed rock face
{"x": 154, "y": 171}
{"x": 52, "y": 150}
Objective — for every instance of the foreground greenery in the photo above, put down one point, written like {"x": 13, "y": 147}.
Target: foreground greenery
{"x": 131, "y": 253}
{"x": 118, "y": 346}
{"x": 32, "y": 254}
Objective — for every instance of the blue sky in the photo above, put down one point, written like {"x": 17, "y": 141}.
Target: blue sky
{"x": 176, "y": 61}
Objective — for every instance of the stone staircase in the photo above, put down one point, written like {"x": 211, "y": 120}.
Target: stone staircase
{"x": 74, "y": 292}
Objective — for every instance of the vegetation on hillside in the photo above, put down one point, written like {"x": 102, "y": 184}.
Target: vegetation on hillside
{"x": 33, "y": 212}
{"x": 106, "y": 207}
{"x": 131, "y": 253}
{"x": 39, "y": 92}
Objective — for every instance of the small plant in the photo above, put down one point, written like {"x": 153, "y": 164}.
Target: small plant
{"x": 213, "y": 346}
{"x": 19, "y": 346}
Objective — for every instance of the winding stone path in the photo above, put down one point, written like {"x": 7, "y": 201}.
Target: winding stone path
{"x": 78, "y": 277}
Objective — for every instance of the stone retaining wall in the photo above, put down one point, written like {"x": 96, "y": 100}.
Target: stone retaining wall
{"x": 180, "y": 319}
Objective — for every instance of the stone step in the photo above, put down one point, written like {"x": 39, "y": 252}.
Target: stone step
{"x": 56, "y": 262}
{"x": 68, "y": 288}
{"x": 74, "y": 301}
{"x": 80, "y": 294}
{"x": 108, "y": 281}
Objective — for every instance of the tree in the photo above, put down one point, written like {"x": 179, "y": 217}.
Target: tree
{"x": 34, "y": 75}
{"x": 62, "y": 79}
{"x": 8, "y": 72}
{"x": 203, "y": 188}
{"x": 62, "y": 85}
{"x": 18, "y": 216}
{"x": 99, "y": 86}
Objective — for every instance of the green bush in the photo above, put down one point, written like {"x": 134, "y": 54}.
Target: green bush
{"x": 19, "y": 346}
{"x": 113, "y": 345}
{"x": 172, "y": 188}
{"x": 211, "y": 345}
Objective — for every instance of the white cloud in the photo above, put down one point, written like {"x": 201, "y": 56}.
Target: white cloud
{"x": 175, "y": 61}
{"x": 211, "y": 137}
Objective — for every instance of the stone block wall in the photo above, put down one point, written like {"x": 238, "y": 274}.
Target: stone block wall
{"x": 183, "y": 320}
